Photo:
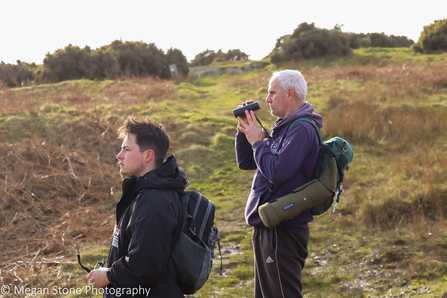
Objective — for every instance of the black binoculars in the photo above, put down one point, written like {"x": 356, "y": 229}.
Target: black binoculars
{"x": 240, "y": 112}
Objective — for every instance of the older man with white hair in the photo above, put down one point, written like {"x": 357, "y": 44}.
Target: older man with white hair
{"x": 283, "y": 161}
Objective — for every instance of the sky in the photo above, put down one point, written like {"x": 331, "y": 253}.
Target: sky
{"x": 29, "y": 29}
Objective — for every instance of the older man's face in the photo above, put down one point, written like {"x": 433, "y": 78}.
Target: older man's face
{"x": 276, "y": 99}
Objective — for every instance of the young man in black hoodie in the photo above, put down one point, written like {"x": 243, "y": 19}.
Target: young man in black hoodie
{"x": 147, "y": 216}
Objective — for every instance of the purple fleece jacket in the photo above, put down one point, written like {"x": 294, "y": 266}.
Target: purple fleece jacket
{"x": 287, "y": 160}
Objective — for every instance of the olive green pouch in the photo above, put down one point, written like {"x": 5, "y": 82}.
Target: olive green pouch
{"x": 302, "y": 198}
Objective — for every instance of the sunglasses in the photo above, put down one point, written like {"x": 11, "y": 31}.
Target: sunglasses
{"x": 99, "y": 264}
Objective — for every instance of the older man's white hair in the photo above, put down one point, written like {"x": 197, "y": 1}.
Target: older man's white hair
{"x": 292, "y": 79}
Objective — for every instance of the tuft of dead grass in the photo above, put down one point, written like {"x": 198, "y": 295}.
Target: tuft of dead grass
{"x": 50, "y": 193}
{"x": 52, "y": 198}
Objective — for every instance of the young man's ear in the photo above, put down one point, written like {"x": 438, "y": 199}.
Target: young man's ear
{"x": 149, "y": 155}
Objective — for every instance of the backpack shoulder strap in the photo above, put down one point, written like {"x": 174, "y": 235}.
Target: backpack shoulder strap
{"x": 318, "y": 168}
{"x": 307, "y": 119}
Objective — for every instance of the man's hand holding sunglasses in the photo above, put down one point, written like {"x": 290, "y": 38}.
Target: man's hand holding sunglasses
{"x": 98, "y": 277}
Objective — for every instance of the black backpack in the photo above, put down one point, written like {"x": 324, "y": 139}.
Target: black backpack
{"x": 191, "y": 258}
{"x": 192, "y": 254}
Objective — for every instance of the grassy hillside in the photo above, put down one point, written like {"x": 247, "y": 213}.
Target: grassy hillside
{"x": 59, "y": 179}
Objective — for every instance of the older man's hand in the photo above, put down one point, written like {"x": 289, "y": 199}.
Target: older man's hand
{"x": 250, "y": 127}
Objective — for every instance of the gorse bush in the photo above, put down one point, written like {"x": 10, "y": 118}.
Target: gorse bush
{"x": 309, "y": 42}
{"x": 209, "y": 56}
{"x": 175, "y": 56}
{"x": 69, "y": 63}
{"x": 73, "y": 63}
{"x": 400, "y": 41}
{"x": 379, "y": 40}
{"x": 433, "y": 38}
{"x": 16, "y": 75}
{"x": 138, "y": 59}
{"x": 382, "y": 40}
{"x": 357, "y": 41}
{"x": 119, "y": 59}
{"x": 103, "y": 65}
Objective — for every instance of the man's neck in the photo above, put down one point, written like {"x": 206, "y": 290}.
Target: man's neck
{"x": 293, "y": 109}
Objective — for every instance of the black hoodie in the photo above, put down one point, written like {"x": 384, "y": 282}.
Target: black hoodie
{"x": 144, "y": 235}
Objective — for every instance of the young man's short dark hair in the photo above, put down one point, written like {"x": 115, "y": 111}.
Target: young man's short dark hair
{"x": 149, "y": 135}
